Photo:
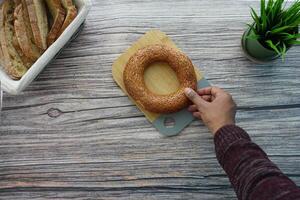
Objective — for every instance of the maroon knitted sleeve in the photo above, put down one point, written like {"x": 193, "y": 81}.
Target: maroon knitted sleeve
{"x": 252, "y": 174}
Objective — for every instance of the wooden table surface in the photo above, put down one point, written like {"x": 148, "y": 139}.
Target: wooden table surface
{"x": 73, "y": 134}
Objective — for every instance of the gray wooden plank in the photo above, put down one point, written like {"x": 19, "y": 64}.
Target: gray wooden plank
{"x": 132, "y": 158}
{"x": 74, "y": 135}
{"x": 123, "y": 194}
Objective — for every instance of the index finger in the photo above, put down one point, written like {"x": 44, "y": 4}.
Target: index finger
{"x": 210, "y": 91}
{"x": 194, "y": 97}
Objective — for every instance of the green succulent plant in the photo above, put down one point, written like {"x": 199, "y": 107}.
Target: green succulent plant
{"x": 277, "y": 26}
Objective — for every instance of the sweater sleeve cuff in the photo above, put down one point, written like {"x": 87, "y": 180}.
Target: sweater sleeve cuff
{"x": 226, "y": 136}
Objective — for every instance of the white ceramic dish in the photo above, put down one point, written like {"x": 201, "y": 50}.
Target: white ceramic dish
{"x": 16, "y": 86}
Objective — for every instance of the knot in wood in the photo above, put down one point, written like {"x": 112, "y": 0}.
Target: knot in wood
{"x": 54, "y": 112}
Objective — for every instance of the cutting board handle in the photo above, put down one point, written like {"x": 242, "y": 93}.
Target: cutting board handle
{"x": 172, "y": 124}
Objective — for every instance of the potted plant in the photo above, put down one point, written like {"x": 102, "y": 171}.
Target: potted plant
{"x": 273, "y": 32}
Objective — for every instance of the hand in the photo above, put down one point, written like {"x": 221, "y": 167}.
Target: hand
{"x": 214, "y": 106}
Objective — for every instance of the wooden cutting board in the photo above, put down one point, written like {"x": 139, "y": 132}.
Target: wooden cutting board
{"x": 159, "y": 78}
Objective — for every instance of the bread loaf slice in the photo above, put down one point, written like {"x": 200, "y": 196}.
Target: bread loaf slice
{"x": 17, "y": 2}
{"x": 71, "y": 14}
{"x": 24, "y": 35}
{"x": 1, "y": 57}
{"x": 58, "y": 15}
{"x": 1, "y": 52}
{"x": 26, "y": 61}
{"x": 38, "y": 21}
{"x": 12, "y": 62}
{"x": 27, "y": 21}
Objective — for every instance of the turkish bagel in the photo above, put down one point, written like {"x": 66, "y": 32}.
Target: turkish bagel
{"x": 133, "y": 77}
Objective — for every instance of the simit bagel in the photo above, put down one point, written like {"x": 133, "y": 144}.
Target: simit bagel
{"x": 133, "y": 77}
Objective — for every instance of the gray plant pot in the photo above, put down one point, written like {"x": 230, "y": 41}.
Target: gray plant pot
{"x": 255, "y": 51}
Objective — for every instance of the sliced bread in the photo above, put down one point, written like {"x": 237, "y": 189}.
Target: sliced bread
{"x": 1, "y": 52}
{"x": 17, "y": 2}
{"x": 2, "y": 63}
{"x": 12, "y": 62}
{"x": 1, "y": 57}
{"x": 23, "y": 35}
{"x": 71, "y": 13}
{"x": 27, "y": 21}
{"x": 58, "y": 15}
{"x": 26, "y": 61}
{"x": 38, "y": 21}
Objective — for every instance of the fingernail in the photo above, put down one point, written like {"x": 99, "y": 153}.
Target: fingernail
{"x": 188, "y": 92}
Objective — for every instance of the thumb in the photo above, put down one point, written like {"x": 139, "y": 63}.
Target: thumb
{"x": 194, "y": 97}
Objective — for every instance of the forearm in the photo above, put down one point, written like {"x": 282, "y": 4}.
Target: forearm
{"x": 251, "y": 173}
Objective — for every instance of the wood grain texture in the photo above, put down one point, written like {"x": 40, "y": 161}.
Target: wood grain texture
{"x": 73, "y": 134}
